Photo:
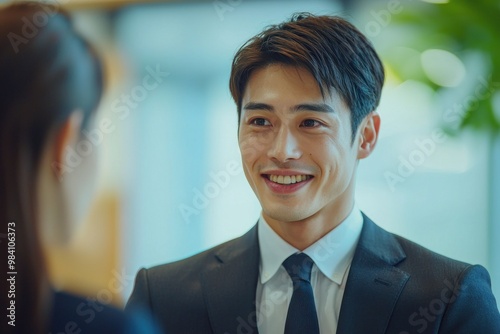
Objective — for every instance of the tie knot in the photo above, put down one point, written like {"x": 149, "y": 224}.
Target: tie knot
{"x": 299, "y": 267}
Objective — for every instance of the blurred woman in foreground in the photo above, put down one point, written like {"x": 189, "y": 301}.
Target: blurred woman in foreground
{"x": 50, "y": 85}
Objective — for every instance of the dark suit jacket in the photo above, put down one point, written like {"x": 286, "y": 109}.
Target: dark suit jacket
{"x": 394, "y": 286}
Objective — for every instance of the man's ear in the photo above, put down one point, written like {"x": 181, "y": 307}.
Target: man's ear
{"x": 368, "y": 134}
{"x": 66, "y": 135}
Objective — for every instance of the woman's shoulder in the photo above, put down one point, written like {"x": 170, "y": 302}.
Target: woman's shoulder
{"x": 75, "y": 314}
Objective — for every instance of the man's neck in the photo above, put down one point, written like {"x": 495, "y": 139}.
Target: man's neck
{"x": 303, "y": 233}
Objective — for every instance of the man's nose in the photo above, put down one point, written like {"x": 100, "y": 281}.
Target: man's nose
{"x": 285, "y": 146}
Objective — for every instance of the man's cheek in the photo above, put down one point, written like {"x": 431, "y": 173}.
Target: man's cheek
{"x": 255, "y": 145}
{"x": 250, "y": 149}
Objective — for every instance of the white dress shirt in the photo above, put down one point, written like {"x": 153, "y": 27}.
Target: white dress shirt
{"x": 332, "y": 256}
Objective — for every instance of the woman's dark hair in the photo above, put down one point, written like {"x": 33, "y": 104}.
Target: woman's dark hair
{"x": 47, "y": 71}
{"x": 337, "y": 54}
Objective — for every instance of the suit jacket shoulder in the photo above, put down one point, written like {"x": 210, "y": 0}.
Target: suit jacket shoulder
{"x": 458, "y": 296}
{"x": 208, "y": 292}
{"x": 406, "y": 288}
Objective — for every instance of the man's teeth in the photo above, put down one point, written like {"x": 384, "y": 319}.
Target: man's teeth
{"x": 288, "y": 179}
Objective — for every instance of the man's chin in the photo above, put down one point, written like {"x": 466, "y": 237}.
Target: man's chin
{"x": 285, "y": 215}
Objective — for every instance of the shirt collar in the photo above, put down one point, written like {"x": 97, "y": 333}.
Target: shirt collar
{"x": 332, "y": 254}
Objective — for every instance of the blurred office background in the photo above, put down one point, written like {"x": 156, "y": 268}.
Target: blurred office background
{"x": 171, "y": 178}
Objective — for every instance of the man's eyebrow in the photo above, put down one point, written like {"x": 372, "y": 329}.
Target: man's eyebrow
{"x": 258, "y": 106}
{"x": 319, "y": 107}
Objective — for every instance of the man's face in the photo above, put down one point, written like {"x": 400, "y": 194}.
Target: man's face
{"x": 296, "y": 146}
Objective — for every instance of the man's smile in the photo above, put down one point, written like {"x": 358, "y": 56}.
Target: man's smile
{"x": 287, "y": 179}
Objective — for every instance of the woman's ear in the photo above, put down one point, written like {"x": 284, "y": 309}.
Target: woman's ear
{"x": 66, "y": 136}
{"x": 368, "y": 134}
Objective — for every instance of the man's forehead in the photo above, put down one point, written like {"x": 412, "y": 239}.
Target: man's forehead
{"x": 300, "y": 75}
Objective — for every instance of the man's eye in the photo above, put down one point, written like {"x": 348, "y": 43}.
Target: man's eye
{"x": 260, "y": 122}
{"x": 310, "y": 123}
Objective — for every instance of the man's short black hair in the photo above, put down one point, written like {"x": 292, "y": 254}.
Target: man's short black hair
{"x": 336, "y": 53}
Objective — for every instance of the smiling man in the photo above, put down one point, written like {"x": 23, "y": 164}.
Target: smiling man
{"x": 304, "y": 154}
{"x": 306, "y": 93}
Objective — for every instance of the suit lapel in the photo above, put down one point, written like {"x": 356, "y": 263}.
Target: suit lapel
{"x": 374, "y": 283}
{"x": 229, "y": 289}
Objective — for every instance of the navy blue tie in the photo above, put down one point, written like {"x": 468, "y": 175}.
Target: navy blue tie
{"x": 302, "y": 317}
